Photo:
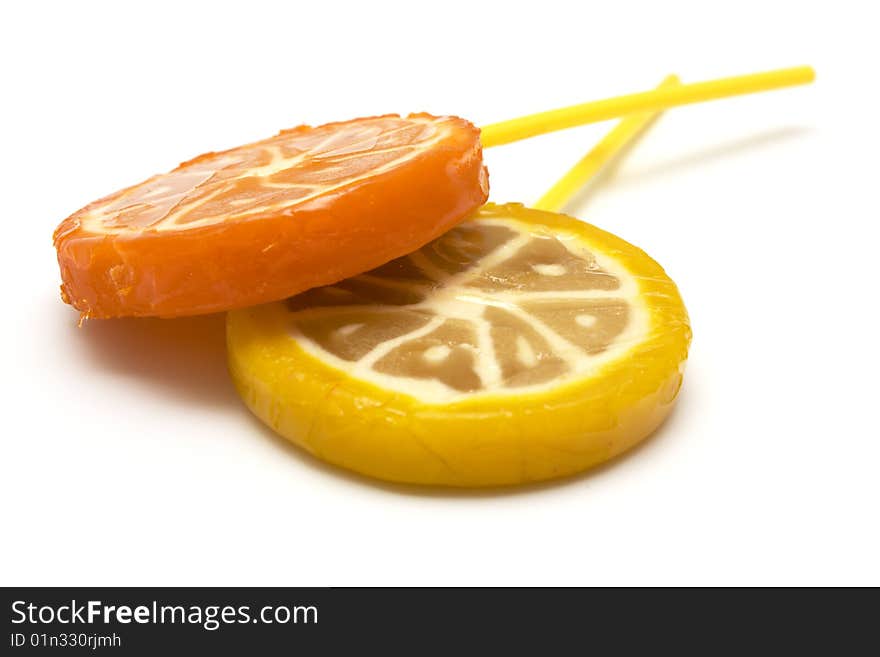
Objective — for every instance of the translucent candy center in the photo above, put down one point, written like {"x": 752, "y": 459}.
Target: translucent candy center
{"x": 493, "y": 306}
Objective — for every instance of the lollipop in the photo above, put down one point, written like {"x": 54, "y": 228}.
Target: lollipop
{"x": 259, "y": 222}
{"x": 520, "y": 346}
{"x": 308, "y": 207}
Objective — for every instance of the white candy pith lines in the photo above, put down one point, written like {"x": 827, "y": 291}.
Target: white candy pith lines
{"x": 267, "y": 177}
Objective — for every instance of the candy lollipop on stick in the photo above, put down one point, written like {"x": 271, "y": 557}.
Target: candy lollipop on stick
{"x": 308, "y": 207}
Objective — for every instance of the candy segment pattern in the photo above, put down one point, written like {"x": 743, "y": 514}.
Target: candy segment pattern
{"x": 271, "y": 176}
{"x": 491, "y": 306}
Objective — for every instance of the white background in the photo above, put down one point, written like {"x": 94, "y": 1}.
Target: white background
{"x": 128, "y": 459}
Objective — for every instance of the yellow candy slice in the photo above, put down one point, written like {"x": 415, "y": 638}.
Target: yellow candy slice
{"x": 520, "y": 346}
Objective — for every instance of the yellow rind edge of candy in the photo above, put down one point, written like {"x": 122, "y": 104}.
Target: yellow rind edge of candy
{"x": 488, "y": 440}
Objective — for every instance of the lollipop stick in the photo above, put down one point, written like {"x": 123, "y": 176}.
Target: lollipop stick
{"x": 611, "y": 146}
{"x": 532, "y": 125}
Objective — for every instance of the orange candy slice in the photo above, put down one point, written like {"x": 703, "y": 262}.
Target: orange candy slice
{"x": 261, "y": 222}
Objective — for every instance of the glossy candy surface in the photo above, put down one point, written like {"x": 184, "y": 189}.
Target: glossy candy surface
{"x": 520, "y": 346}
{"x": 257, "y": 223}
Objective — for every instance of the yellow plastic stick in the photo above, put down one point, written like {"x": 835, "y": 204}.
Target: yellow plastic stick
{"x": 532, "y": 125}
{"x": 602, "y": 153}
